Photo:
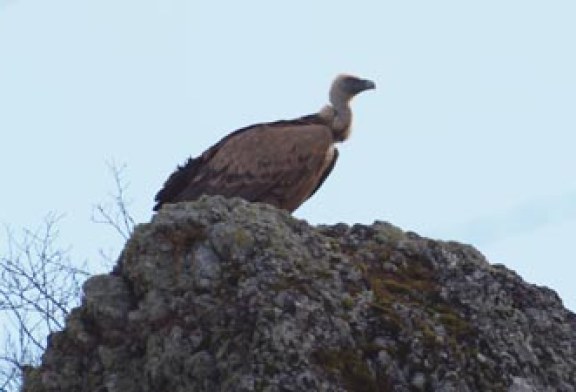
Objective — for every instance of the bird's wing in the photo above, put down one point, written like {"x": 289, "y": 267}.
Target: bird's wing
{"x": 326, "y": 172}
{"x": 279, "y": 163}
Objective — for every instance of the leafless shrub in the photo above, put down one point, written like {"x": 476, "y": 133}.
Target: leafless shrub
{"x": 39, "y": 284}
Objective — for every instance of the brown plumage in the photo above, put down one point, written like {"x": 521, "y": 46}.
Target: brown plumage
{"x": 281, "y": 163}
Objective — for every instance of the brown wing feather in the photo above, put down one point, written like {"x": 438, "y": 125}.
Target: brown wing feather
{"x": 269, "y": 162}
{"x": 326, "y": 173}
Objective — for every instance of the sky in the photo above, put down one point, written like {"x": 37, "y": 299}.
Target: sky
{"x": 469, "y": 135}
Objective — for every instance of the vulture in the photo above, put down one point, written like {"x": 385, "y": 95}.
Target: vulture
{"x": 281, "y": 163}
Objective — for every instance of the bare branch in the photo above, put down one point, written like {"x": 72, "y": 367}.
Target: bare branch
{"x": 116, "y": 214}
{"x": 39, "y": 284}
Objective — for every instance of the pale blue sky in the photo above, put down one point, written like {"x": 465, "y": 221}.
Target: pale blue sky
{"x": 470, "y": 135}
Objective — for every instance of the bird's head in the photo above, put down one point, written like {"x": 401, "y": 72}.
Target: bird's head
{"x": 345, "y": 87}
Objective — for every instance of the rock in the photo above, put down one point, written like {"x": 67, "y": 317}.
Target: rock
{"x": 107, "y": 300}
{"x": 225, "y": 295}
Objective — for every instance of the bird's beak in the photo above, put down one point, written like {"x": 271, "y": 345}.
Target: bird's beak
{"x": 369, "y": 85}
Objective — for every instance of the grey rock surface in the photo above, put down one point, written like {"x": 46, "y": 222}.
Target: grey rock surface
{"x": 224, "y": 295}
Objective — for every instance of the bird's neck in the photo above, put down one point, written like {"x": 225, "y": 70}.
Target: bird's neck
{"x": 339, "y": 116}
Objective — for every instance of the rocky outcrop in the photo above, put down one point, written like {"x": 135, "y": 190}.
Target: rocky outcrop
{"x": 224, "y": 295}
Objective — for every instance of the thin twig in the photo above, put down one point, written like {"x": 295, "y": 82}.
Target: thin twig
{"x": 116, "y": 214}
